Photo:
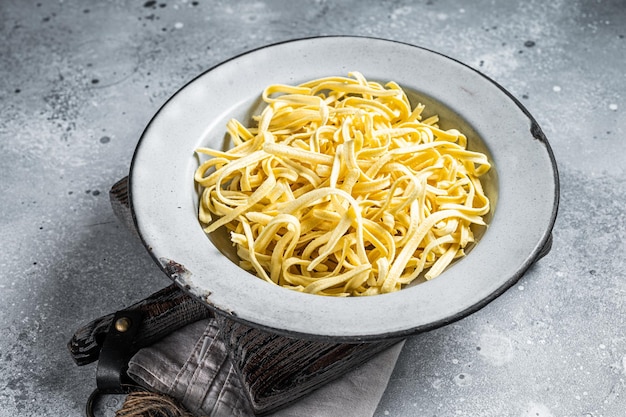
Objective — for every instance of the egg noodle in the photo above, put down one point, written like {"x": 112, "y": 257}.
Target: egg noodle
{"x": 342, "y": 189}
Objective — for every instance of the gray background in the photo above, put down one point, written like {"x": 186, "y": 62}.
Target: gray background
{"x": 80, "y": 80}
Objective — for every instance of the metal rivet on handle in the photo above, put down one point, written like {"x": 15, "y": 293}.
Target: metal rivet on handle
{"x": 122, "y": 324}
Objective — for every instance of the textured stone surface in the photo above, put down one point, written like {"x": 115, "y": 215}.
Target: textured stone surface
{"x": 80, "y": 80}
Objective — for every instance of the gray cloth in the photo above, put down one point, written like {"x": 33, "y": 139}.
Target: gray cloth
{"x": 192, "y": 366}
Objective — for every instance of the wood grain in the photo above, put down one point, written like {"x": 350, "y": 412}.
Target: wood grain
{"x": 276, "y": 370}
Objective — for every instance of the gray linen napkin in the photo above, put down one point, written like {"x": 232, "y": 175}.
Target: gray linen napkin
{"x": 192, "y": 366}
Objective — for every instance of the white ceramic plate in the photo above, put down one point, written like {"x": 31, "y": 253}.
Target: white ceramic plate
{"x": 523, "y": 187}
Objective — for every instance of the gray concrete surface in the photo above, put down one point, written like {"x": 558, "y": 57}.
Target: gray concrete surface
{"x": 80, "y": 80}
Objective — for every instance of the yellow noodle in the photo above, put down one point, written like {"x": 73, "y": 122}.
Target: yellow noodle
{"x": 340, "y": 188}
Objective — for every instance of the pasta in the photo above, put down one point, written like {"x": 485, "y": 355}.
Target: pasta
{"x": 342, "y": 189}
